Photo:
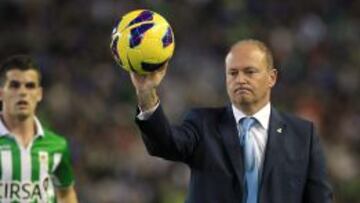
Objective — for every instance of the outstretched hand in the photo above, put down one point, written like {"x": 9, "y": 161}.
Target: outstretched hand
{"x": 146, "y": 85}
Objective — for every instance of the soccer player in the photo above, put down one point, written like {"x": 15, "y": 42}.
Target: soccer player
{"x": 34, "y": 162}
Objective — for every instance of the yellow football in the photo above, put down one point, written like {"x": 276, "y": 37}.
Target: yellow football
{"x": 142, "y": 41}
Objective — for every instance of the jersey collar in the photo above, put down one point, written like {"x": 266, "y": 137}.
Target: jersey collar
{"x": 39, "y": 129}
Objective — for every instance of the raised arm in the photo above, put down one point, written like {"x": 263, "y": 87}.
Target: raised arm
{"x": 146, "y": 87}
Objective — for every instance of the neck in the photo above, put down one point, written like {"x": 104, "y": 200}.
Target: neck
{"x": 248, "y": 110}
{"x": 251, "y": 109}
{"x": 22, "y": 128}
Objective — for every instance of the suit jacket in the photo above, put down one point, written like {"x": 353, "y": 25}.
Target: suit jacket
{"x": 207, "y": 141}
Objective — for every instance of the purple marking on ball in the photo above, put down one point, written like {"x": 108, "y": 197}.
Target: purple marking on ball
{"x": 137, "y": 34}
{"x": 114, "y": 49}
{"x": 116, "y": 26}
{"x": 167, "y": 38}
{"x": 143, "y": 16}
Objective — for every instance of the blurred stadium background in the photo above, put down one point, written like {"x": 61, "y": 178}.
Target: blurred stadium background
{"x": 91, "y": 101}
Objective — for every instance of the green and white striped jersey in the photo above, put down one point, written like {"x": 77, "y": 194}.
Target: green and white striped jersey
{"x": 29, "y": 175}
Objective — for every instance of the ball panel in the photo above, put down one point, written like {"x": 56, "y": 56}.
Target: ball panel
{"x": 134, "y": 58}
{"x": 137, "y": 34}
{"x": 115, "y": 27}
{"x": 151, "y": 45}
{"x": 145, "y": 15}
{"x": 122, "y": 47}
{"x": 167, "y": 38}
{"x": 113, "y": 47}
{"x": 126, "y": 19}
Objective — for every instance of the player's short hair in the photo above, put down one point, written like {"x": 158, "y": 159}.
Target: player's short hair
{"x": 262, "y": 46}
{"x": 18, "y": 62}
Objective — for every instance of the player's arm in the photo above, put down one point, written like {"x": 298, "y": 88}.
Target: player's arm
{"x": 63, "y": 178}
{"x": 66, "y": 195}
{"x": 171, "y": 142}
{"x": 146, "y": 86}
{"x": 160, "y": 138}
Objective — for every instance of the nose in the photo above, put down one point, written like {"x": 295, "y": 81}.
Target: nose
{"x": 241, "y": 78}
{"x": 22, "y": 91}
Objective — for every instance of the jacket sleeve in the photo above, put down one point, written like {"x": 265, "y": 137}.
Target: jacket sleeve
{"x": 175, "y": 143}
{"x": 317, "y": 188}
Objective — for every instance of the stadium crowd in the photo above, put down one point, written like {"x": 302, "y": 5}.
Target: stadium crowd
{"x": 90, "y": 100}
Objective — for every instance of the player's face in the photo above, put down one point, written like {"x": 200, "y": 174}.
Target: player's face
{"x": 21, "y": 93}
{"x": 248, "y": 78}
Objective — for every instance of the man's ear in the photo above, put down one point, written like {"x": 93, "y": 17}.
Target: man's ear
{"x": 1, "y": 93}
{"x": 273, "y": 77}
{"x": 40, "y": 96}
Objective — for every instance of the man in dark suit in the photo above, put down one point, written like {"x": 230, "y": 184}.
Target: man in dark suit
{"x": 246, "y": 152}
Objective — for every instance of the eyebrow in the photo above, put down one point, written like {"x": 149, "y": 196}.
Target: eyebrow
{"x": 244, "y": 68}
{"x": 31, "y": 83}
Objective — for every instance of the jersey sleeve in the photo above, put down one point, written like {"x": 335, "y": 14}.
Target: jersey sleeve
{"x": 63, "y": 174}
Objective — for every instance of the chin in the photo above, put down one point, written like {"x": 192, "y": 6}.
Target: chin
{"x": 243, "y": 100}
{"x": 22, "y": 116}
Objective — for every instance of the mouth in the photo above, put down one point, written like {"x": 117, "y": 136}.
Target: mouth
{"x": 22, "y": 103}
{"x": 242, "y": 90}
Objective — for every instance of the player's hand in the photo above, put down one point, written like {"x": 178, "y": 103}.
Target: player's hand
{"x": 146, "y": 85}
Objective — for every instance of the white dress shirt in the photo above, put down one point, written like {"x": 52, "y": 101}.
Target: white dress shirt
{"x": 259, "y": 132}
{"x": 144, "y": 115}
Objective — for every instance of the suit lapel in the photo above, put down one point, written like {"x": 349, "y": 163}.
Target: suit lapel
{"x": 276, "y": 132}
{"x": 230, "y": 138}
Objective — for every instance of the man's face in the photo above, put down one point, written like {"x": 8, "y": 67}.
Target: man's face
{"x": 20, "y": 93}
{"x": 248, "y": 78}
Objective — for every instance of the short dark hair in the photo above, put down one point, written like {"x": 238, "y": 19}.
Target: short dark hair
{"x": 18, "y": 62}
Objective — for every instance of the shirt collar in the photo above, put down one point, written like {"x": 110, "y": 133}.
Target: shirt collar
{"x": 39, "y": 128}
{"x": 262, "y": 116}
